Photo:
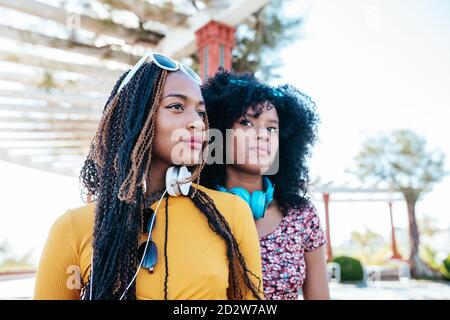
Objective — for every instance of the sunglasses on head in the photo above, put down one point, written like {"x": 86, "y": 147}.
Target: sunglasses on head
{"x": 162, "y": 62}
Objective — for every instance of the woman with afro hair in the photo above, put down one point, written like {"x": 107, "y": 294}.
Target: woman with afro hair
{"x": 268, "y": 134}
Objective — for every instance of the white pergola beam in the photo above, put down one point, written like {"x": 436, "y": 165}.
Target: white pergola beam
{"x": 105, "y": 52}
{"x": 147, "y": 11}
{"x": 46, "y": 138}
{"x": 38, "y": 81}
{"x": 32, "y": 120}
{"x": 27, "y": 144}
{"x": 52, "y": 111}
{"x": 96, "y": 72}
{"x": 47, "y": 152}
{"x": 98, "y": 26}
{"x": 45, "y": 130}
{"x": 56, "y": 97}
{"x": 47, "y": 125}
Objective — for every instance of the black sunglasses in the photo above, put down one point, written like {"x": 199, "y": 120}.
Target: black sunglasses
{"x": 149, "y": 246}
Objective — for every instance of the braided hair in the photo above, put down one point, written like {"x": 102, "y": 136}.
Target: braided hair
{"x": 115, "y": 172}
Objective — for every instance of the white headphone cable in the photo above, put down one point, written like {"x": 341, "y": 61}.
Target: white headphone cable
{"x": 146, "y": 245}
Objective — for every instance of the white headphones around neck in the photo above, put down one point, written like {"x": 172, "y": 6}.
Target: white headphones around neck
{"x": 177, "y": 183}
{"x": 174, "y": 178}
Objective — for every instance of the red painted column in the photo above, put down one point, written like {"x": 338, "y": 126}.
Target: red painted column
{"x": 215, "y": 40}
{"x": 326, "y": 200}
{"x": 395, "y": 253}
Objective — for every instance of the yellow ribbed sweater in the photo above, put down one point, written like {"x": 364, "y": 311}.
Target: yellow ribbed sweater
{"x": 197, "y": 260}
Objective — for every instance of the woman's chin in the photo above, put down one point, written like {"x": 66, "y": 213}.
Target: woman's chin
{"x": 187, "y": 161}
{"x": 255, "y": 169}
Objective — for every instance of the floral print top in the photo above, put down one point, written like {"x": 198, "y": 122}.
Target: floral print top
{"x": 283, "y": 252}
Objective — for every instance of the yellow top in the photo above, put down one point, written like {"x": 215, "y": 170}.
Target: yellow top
{"x": 197, "y": 260}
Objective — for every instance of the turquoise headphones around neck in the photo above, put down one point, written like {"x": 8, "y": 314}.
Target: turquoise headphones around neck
{"x": 258, "y": 200}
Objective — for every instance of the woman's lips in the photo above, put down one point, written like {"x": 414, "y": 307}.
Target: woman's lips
{"x": 261, "y": 150}
{"x": 194, "y": 142}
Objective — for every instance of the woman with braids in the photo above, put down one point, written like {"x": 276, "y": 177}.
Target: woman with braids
{"x": 135, "y": 241}
{"x": 273, "y": 130}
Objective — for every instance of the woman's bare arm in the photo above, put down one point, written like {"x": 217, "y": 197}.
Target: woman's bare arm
{"x": 316, "y": 282}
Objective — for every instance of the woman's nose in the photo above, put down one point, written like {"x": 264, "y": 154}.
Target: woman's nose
{"x": 262, "y": 134}
{"x": 196, "y": 125}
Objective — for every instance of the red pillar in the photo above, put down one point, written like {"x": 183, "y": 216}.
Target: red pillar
{"x": 395, "y": 253}
{"x": 326, "y": 200}
{"x": 215, "y": 40}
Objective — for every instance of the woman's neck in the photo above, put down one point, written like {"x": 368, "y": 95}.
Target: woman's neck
{"x": 238, "y": 178}
{"x": 157, "y": 178}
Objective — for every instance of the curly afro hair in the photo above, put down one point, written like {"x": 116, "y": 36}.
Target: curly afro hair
{"x": 228, "y": 95}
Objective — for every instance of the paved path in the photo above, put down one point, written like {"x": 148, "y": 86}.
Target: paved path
{"x": 390, "y": 290}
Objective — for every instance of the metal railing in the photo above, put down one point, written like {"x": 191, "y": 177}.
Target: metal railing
{"x": 14, "y": 275}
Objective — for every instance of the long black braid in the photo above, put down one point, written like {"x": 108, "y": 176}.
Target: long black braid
{"x": 219, "y": 225}
{"x": 165, "y": 248}
{"x": 114, "y": 173}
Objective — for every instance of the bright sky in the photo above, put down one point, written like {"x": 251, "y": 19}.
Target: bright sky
{"x": 370, "y": 66}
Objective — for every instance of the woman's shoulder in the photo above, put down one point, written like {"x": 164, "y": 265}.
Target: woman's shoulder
{"x": 305, "y": 219}
{"x": 83, "y": 214}
{"x": 225, "y": 198}
{"x": 77, "y": 221}
{"x": 303, "y": 210}
{"x": 239, "y": 216}
{"x": 235, "y": 210}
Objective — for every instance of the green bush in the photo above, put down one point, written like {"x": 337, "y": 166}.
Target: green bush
{"x": 445, "y": 269}
{"x": 351, "y": 269}
{"x": 447, "y": 263}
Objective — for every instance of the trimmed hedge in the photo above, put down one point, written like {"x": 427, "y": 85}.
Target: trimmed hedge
{"x": 351, "y": 268}
{"x": 446, "y": 268}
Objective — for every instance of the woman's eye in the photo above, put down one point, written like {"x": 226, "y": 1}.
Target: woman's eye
{"x": 245, "y": 122}
{"x": 202, "y": 114}
{"x": 176, "y": 106}
{"x": 272, "y": 129}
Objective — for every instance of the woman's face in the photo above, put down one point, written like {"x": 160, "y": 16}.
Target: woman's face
{"x": 180, "y": 127}
{"x": 255, "y": 140}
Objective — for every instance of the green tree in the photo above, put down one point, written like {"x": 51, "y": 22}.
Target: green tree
{"x": 260, "y": 38}
{"x": 402, "y": 162}
{"x": 365, "y": 238}
{"x": 369, "y": 244}
{"x": 428, "y": 225}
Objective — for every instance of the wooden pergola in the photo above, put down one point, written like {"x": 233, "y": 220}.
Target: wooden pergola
{"x": 354, "y": 193}
{"x": 64, "y": 64}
